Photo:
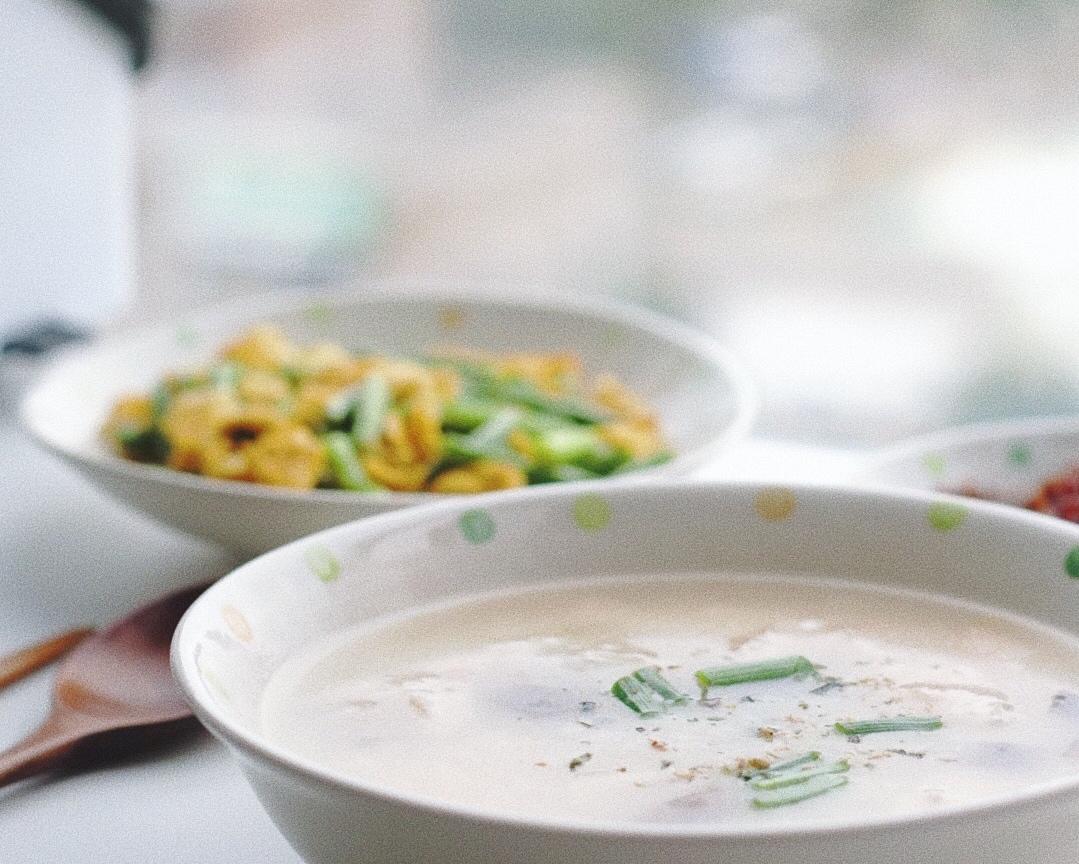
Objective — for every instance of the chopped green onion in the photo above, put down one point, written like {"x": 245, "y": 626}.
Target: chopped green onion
{"x": 783, "y": 767}
{"x": 527, "y": 394}
{"x": 293, "y": 374}
{"x": 226, "y": 375}
{"x": 536, "y": 422}
{"x": 144, "y": 445}
{"x": 794, "y": 778}
{"x": 371, "y": 403}
{"x": 637, "y": 697}
{"x": 890, "y": 724}
{"x": 793, "y": 794}
{"x": 484, "y": 382}
{"x": 784, "y": 667}
{"x": 577, "y": 445}
{"x": 486, "y": 442}
{"x": 339, "y": 410}
{"x": 660, "y": 458}
{"x": 159, "y": 401}
{"x": 187, "y": 382}
{"x": 344, "y": 464}
{"x": 466, "y": 413}
{"x": 458, "y": 448}
{"x": 650, "y": 677}
{"x": 559, "y": 474}
{"x": 361, "y": 409}
{"x": 494, "y": 431}
{"x": 467, "y": 369}
{"x": 646, "y": 692}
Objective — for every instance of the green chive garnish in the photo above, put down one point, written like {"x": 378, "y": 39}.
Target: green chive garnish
{"x": 144, "y": 445}
{"x": 466, "y": 413}
{"x": 339, "y": 410}
{"x": 795, "y": 778}
{"x": 577, "y": 445}
{"x": 793, "y": 794}
{"x": 558, "y": 474}
{"x": 651, "y": 677}
{"x": 226, "y": 375}
{"x": 344, "y": 464}
{"x": 372, "y": 401}
{"x": 487, "y": 441}
{"x": 660, "y": 458}
{"x": 494, "y": 431}
{"x": 293, "y": 375}
{"x": 159, "y": 401}
{"x": 458, "y": 448}
{"x": 890, "y": 724}
{"x": 636, "y": 696}
{"x": 783, "y": 767}
{"x": 647, "y": 692}
{"x": 784, "y": 667}
{"x": 483, "y": 382}
{"x": 525, "y": 393}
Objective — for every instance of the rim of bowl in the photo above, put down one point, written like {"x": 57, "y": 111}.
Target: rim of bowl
{"x": 258, "y": 749}
{"x": 952, "y": 437}
{"x": 744, "y": 398}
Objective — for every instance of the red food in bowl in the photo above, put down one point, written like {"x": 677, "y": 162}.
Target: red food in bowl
{"x": 1058, "y": 496}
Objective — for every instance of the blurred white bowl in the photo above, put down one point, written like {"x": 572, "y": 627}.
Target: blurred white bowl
{"x": 1007, "y": 461}
{"x": 703, "y": 397}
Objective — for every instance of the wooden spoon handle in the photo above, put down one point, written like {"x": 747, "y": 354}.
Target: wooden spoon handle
{"x": 44, "y": 749}
{"x": 22, "y": 663}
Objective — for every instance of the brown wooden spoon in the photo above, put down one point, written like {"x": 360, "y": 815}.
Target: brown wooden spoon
{"x": 16, "y": 666}
{"x": 110, "y": 691}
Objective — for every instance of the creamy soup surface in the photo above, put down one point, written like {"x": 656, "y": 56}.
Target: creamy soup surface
{"x": 504, "y": 701}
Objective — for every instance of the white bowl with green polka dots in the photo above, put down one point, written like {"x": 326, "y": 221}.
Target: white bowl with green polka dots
{"x": 703, "y": 398}
{"x": 1006, "y": 462}
{"x": 239, "y": 632}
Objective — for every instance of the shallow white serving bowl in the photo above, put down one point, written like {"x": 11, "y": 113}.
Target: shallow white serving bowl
{"x": 243, "y": 627}
{"x": 1008, "y": 461}
{"x": 703, "y": 397}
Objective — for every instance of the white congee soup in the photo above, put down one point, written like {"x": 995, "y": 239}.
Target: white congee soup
{"x": 715, "y": 699}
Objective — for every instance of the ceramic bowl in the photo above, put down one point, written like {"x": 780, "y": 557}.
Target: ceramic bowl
{"x": 699, "y": 390}
{"x": 243, "y": 627}
{"x": 1006, "y": 461}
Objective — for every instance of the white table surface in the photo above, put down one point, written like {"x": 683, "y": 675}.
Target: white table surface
{"x": 68, "y": 556}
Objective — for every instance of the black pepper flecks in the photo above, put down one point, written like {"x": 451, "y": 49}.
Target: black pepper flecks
{"x": 577, "y": 761}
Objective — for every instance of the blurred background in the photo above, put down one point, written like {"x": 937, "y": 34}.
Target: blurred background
{"x": 875, "y": 205}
